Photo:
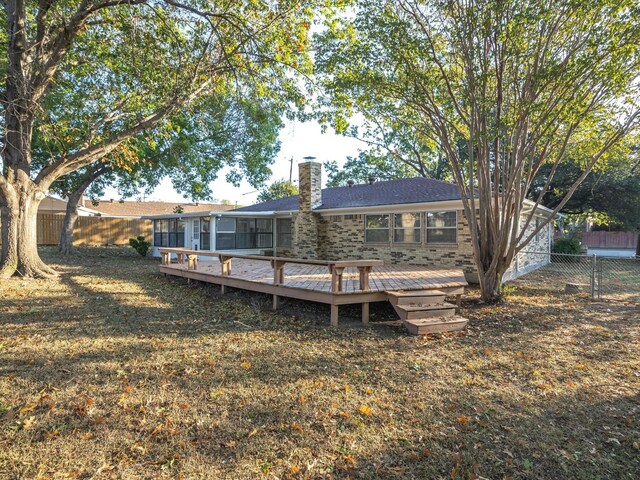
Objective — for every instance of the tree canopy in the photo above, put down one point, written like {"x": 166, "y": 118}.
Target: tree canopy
{"x": 125, "y": 67}
{"x": 278, "y": 189}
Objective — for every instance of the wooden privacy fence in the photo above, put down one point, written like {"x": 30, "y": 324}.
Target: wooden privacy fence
{"x": 93, "y": 230}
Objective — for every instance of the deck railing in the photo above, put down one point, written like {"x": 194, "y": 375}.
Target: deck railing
{"x": 336, "y": 268}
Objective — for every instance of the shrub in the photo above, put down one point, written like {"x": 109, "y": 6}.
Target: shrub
{"x": 140, "y": 245}
{"x": 569, "y": 245}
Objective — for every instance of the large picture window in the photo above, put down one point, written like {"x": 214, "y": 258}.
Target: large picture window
{"x": 284, "y": 226}
{"x": 407, "y": 228}
{"x": 244, "y": 233}
{"x": 376, "y": 229}
{"x": 442, "y": 227}
{"x": 168, "y": 232}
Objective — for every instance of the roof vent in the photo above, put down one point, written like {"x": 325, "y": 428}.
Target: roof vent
{"x": 372, "y": 180}
{"x": 111, "y": 200}
{"x": 350, "y": 183}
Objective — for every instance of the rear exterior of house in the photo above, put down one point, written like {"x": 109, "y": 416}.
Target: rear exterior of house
{"x": 413, "y": 221}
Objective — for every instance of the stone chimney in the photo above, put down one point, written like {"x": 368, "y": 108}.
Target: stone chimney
{"x": 309, "y": 185}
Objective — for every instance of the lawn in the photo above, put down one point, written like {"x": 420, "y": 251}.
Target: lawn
{"x": 114, "y": 371}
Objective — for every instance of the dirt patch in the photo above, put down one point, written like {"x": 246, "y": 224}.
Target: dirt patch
{"x": 114, "y": 371}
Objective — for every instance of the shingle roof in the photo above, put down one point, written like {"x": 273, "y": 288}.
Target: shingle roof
{"x": 390, "y": 192}
{"x": 139, "y": 209}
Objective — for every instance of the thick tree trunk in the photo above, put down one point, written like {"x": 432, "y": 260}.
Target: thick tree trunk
{"x": 65, "y": 246}
{"x": 19, "y": 237}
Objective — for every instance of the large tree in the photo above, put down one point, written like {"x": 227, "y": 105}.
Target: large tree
{"x": 503, "y": 87}
{"x": 141, "y": 61}
{"x": 190, "y": 148}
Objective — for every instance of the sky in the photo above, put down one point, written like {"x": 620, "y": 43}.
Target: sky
{"x": 298, "y": 140}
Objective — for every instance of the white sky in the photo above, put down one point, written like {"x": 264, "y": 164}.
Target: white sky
{"x": 297, "y": 139}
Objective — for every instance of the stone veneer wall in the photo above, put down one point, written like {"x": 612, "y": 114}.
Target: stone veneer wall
{"x": 534, "y": 255}
{"x": 306, "y": 225}
{"x": 342, "y": 237}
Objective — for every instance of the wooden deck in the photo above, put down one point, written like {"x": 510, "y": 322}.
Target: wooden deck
{"x": 314, "y": 281}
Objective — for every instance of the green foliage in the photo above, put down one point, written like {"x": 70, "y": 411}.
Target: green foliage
{"x": 278, "y": 189}
{"x": 500, "y": 88}
{"x": 140, "y": 245}
{"x": 609, "y": 196}
{"x": 374, "y": 163}
{"x": 568, "y": 245}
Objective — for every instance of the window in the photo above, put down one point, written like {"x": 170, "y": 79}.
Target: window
{"x": 226, "y": 233}
{"x": 376, "y": 229}
{"x": 244, "y": 233}
{"x": 284, "y": 232}
{"x": 168, "y": 233}
{"x": 196, "y": 230}
{"x": 205, "y": 233}
{"x": 442, "y": 227}
{"x": 407, "y": 228}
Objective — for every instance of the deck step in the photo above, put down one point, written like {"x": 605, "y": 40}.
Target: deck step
{"x": 416, "y": 311}
{"x": 414, "y": 293}
{"x": 424, "y": 297}
{"x": 436, "y": 325}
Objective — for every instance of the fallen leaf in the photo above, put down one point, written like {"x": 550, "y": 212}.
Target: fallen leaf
{"x": 365, "y": 410}
{"x": 462, "y": 419}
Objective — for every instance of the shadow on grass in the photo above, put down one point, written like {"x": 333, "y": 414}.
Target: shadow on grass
{"x": 184, "y": 381}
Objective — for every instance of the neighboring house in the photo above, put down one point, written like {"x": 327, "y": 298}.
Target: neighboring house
{"x": 135, "y": 209}
{"x": 611, "y": 244}
{"x": 57, "y": 206}
{"x": 415, "y": 221}
{"x": 127, "y": 208}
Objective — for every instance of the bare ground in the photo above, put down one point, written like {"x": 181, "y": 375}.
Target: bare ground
{"x": 113, "y": 371}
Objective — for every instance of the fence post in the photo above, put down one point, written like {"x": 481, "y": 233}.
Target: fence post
{"x": 594, "y": 263}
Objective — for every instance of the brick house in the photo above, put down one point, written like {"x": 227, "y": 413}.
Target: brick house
{"x": 415, "y": 221}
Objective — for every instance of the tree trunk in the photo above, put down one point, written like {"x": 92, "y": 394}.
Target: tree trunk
{"x": 490, "y": 287}
{"x": 65, "y": 246}
{"x": 19, "y": 237}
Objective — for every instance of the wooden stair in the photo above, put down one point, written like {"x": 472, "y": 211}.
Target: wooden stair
{"x": 425, "y": 311}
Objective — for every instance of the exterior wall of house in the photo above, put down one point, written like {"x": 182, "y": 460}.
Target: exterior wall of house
{"x": 342, "y": 237}
{"x": 534, "y": 255}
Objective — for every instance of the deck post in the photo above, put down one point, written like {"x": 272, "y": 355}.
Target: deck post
{"x": 276, "y": 302}
{"x": 278, "y": 271}
{"x": 458, "y": 303}
{"x": 225, "y": 261}
{"x": 336, "y": 278}
{"x": 223, "y": 289}
{"x": 364, "y": 277}
{"x": 365, "y": 312}
{"x": 334, "y": 315}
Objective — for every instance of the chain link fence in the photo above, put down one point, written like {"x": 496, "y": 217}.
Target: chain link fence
{"x": 599, "y": 277}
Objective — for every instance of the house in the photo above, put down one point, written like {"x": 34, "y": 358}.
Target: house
{"x": 139, "y": 209}
{"x": 416, "y": 221}
{"x": 127, "y": 208}
{"x": 58, "y": 206}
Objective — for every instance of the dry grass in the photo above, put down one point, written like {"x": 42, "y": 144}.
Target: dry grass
{"x": 113, "y": 371}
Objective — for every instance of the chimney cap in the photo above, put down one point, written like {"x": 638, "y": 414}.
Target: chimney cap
{"x": 350, "y": 183}
{"x": 309, "y": 158}
{"x": 372, "y": 180}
